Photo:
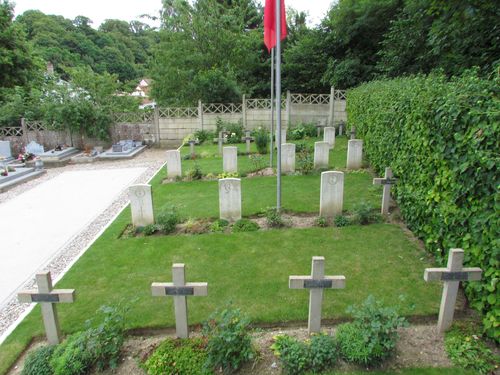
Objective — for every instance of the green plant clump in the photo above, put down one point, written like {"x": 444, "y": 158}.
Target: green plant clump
{"x": 245, "y": 225}
{"x": 372, "y": 336}
{"x": 341, "y": 221}
{"x": 195, "y": 173}
{"x": 274, "y": 218}
{"x": 203, "y": 135}
{"x": 321, "y": 221}
{"x": 227, "y": 175}
{"x": 150, "y": 229}
{"x": 38, "y": 361}
{"x": 261, "y": 137}
{"x": 178, "y": 356}
{"x": 229, "y": 342}
{"x": 364, "y": 214}
{"x": 167, "y": 220}
{"x": 219, "y": 225}
{"x": 440, "y": 137}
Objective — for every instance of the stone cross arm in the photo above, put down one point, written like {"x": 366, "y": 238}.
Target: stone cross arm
{"x": 169, "y": 289}
{"x": 443, "y": 274}
{"x": 54, "y": 296}
{"x": 384, "y": 181}
{"x": 308, "y": 282}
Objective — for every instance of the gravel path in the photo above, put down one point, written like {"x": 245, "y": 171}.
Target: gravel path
{"x": 151, "y": 159}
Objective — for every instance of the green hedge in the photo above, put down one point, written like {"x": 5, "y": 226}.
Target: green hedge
{"x": 441, "y": 137}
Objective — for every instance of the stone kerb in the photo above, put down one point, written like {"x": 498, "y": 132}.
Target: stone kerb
{"x": 329, "y": 136}
{"x": 230, "y": 159}
{"x": 230, "y": 199}
{"x": 331, "y": 194}
{"x": 141, "y": 204}
{"x": 321, "y": 154}
{"x": 354, "y": 154}
{"x": 174, "y": 166}
{"x": 288, "y": 158}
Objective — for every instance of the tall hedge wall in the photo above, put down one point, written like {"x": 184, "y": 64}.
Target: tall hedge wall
{"x": 442, "y": 140}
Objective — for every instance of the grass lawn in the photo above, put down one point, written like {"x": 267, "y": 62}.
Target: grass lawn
{"x": 249, "y": 269}
{"x": 416, "y": 371}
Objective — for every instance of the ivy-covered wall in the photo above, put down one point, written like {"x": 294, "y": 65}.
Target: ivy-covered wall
{"x": 442, "y": 139}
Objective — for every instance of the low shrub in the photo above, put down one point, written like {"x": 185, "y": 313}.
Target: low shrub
{"x": 245, "y": 225}
{"x": 150, "y": 229}
{"x": 321, "y": 221}
{"x": 228, "y": 175}
{"x": 195, "y": 173}
{"x": 274, "y": 218}
{"x": 193, "y": 226}
{"x": 310, "y": 130}
{"x": 72, "y": 356}
{"x": 305, "y": 162}
{"x": 167, "y": 220}
{"x": 38, "y": 361}
{"x": 219, "y": 225}
{"x": 341, "y": 221}
{"x": 295, "y": 133}
{"x": 234, "y": 131}
{"x": 229, "y": 342}
{"x": 203, "y": 135}
{"x": 466, "y": 349}
{"x": 261, "y": 137}
{"x": 323, "y": 352}
{"x": 303, "y": 147}
{"x": 364, "y": 214}
{"x": 258, "y": 162}
{"x": 178, "y": 356}
{"x": 372, "y": 336}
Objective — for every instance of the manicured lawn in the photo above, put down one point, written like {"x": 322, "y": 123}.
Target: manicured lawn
{"x": 249, "y": 269}
{"x": 415, "y": 371}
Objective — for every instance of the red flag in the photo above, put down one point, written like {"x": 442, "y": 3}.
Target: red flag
{"x": 270, "y": 23}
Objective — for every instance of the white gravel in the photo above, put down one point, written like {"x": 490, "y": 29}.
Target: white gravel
{"x": 152, "y": 159}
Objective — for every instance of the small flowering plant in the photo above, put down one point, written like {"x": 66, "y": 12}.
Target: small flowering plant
{"x": 25, "y": 156}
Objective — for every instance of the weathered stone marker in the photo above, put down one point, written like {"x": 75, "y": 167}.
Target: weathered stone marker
{"x": 141, "y": 205}
{"x": 230, "y": 159}
{"x": 329, "y": 136}
{"x": 341, "y": 128}
{"x": 174, "y": 168}
{"x": 288, "y": 158}
{"x": 48, "y": 297}
{"x": 230, "y": 199}
{"x": 321, "y": 154}
{"x": 353, "y": 132}
{"x": 220, "y": 141}
{"x": 331, "y": 198}
{"x": 179, "y": 289}
{"x": 316, "y": 283}
{"x": 354, "y": 153}
{"x": 387, "y": 181}
{"x": 247, "y": 138}
{"x": 451, "y": 276}
{"x": 191, "y": 142}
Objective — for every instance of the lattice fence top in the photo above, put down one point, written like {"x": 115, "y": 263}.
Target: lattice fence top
{"x": 340, "y": 95}
{"x": 178, "y": 112}
{"x": 310, "y": 98}
{"x": 11, "y": 131}
{"x": 262, "y": 103}
{"x": 221, "y": 108}
{"x": 35, "y": 126}
{"x": 133, "y": 117}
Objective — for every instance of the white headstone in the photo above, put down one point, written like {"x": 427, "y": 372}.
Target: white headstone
{"x": 283, "y": 136}
{"x": 230, "y": 199}
{"x": 34, "y": 148}
{"x": 141, "y": 204}
{"x": 354, "y": 153}
{"x": 332, "y": 194}
{"x": 321, "y": 154}
{"x": 329, "y": 136}
{"x": 5, "y": 151}
{"x": 230, "y": 159}
{"x": 288, "y": 158}
{"x": 174, "y": 168}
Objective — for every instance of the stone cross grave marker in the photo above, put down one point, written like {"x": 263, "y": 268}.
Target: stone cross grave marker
{"x": 230, "y": 159}
{"x": 329, "y": 136}
{"x": 191, "y": 142}
{"x": 179, "y": 289}
{"x": 230, "y": 199}
{"x": 141, "y": 205}
{"x": 288, "y": 158}
{"x": 341, "y": 128}
{"x": 353, "y": 132}
{"x": 220, "y": 141}
{"x": 321, "y": 154}
{"x": 316, "y": 282}
{"x": 331, "y": 198}
{"x": 48, "y": 297}
{"x": 354, "y": 153}
{"x": 451, "y": 276}
{"x": 319, "y": 125}
{"x": 247, "y": 138}
{"x": 174, "y": 166}
{"x": 387, "y": 181}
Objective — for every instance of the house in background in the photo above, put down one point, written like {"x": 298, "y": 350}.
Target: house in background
{"x": 142, "y": 91}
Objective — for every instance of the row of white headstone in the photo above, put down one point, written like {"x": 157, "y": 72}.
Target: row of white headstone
{"x": 179, "y": 289}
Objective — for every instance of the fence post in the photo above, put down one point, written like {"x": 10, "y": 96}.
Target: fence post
{"x": 288, "y": 108}
{"x": 332, "y": 107}
{"x": 24, "y": 130}
{"x": 200, "y": 114}
{"x": 156, "y": 124}
{"x": 244, "y": 111}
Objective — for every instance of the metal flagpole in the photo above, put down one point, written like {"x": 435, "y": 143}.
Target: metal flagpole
{"x": 272, "y": 106}
{"x": 278, "y": 101}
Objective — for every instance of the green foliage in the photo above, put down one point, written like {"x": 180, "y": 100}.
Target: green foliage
{"x": 195, "y": 173}
{"x": 466, "y": 349}
{"x": 322, "y": 221}
{"x": 229, "y": 342}
{"x": 305, "y": 160}
{"x": 303, "y": 147}
{"x": 203, "y": 135}
{"x": 297, "y": 357}
{"x": 72, "y": 357}
{"x": 245, "y": 225}
{"x": 261, "y": 140}
{"x": 227, "y": 175}
{"x": 38, "y": 361}
{"x": 364, "y": 214}
{"x": 372, "y": 336}
{"x": 295, "y": 133}
{"x": 219, "y": 225}
{"x": 168, "y": 219}
{"x": 258, "y": 162}
{"x": 274, "y": 218}
{"x": 234, "y": 131}
{"x": 341, "y": 221}
{"x": 149, "y": 229}
{"x": 178, "y": 356}
{"x": 441, "y": 139}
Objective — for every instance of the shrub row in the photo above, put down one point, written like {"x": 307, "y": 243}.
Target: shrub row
{"x": 441, "y": 138}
